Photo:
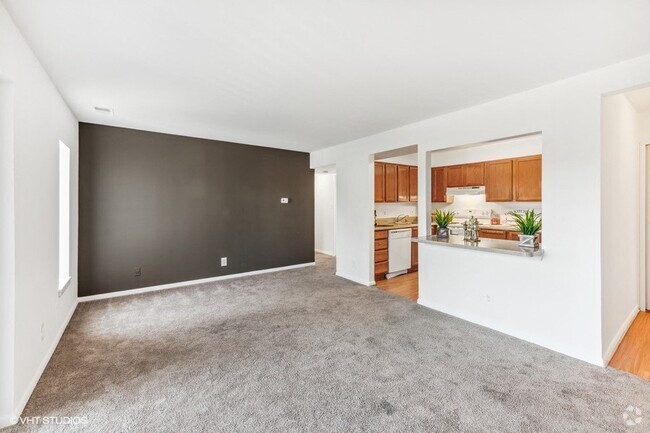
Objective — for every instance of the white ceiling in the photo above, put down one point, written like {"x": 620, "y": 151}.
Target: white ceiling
{"x": 305, "y": 74}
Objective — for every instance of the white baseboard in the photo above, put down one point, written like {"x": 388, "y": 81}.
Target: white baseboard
{"x": 189, "y": 283}
{"x": 616, "y": 341}
{"x": 327, "y": 253}
{"x": 363, "y": 283}
{"x": 41, "y": 368}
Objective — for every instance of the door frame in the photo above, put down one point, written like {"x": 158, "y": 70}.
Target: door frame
{"x": 643, "y": 203}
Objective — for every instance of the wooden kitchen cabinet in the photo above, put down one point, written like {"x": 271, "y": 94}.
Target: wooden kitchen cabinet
{"x": 414, "y": 250}
{"x": 390, "y": 182}
{"x": 514, "y": 236}
{"x": 498, "y": 180}
{"x": 380, "y": 184}
{"x": 403, "y": 180}
{"x": 455, "y": 176}
{"x": 475, "y": 174}
{"x": 438, "y": 185}
{"x": 493, "y": 234}
{"x": 527, "y": 175}
{"x": 381, "y": 254}
{"x": 466, "y": 175}
{"x": 413, "y": 184}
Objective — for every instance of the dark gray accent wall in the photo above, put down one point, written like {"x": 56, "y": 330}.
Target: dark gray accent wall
{"x": 173, "y": 206}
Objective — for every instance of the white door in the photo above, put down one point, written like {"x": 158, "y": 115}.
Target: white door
{"x": 647, "y": 229}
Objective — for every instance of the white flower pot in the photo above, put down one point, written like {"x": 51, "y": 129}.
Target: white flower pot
{"x": 528, "y": 241}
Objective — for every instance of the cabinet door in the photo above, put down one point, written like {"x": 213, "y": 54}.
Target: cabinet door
{"x": 528, "y": 178}
{"x": 402, "y": 183}
{"x": 456, "y": 176}
{"x": 390, "y": 180}
{"x": 498, "y": 180}
{"x": 438, "y": 185}
{"x": 475, "y": 174}
{"x": 493, "y": 234}
{"x": 380, "y": 184}
{"x": 413, "y": 184}
{"x": 414, "y": 249}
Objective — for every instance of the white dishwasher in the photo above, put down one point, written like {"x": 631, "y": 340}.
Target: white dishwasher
{"x": 399, "y": 252}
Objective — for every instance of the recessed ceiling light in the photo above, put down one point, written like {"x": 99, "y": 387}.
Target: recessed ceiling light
{"x": 104, "y": 110}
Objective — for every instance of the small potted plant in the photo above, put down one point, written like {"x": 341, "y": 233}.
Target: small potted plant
{"x": 529, "y": 224}
{"x": 443, "y": 219}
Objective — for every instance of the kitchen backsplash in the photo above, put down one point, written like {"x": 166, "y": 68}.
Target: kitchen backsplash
{"x": 478, "y": 202}
{"x": 388, "y": 210}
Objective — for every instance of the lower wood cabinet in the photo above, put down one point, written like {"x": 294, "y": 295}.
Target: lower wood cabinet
{"x": 414, "y": 250}
{"x": 493, "y": 234}
{"x": 381, "y": 254}
{"x": 513, "y": 236}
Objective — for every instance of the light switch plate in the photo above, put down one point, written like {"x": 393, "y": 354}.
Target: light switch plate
{"x": 284, "y": 200}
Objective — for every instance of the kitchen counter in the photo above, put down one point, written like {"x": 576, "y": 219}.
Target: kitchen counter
{"x": 488, "y": 245}
{"x": 396, "y": 226}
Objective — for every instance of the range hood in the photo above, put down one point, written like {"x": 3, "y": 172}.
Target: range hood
{"x": 466, "y": 190}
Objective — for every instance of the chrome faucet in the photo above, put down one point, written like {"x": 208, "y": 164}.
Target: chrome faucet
{"x": 401, "y": 217}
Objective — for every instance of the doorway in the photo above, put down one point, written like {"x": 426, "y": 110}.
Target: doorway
{"x": 325, "y": 210}
{"x": 396, "y": 198}
{"x": 7, "y": 253}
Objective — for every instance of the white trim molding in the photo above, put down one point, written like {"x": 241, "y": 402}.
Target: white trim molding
{"x": 189, "y": 283}
{"x": 619, "y": 336}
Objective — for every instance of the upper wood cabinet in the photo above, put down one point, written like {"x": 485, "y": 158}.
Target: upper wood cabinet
{"x": 475, "y": 174}
{"x": 527, "y": 182}
{"x": 455, "y": 176}
{"x": 390, "y": 180}
{"x": 403, "y": 180}
{"x": 498, "y": 180}
{"x": 413, "y": 184}
{"x": 380, "y": 185}
{"x": 395, "y": 183}
{"x": 438, "y": 184}
{"x": 466, "y": 175}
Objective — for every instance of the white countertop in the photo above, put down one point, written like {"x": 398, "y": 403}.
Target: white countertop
{"x": 489, "y": 245}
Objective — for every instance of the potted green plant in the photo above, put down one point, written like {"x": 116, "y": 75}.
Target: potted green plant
{"x": 443, "y": 219}
{"x": 529, "y": 224}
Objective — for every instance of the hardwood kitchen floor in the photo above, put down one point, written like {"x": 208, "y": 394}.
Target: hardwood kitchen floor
{"x": 633, "y": 354}
{"x": 405, "y": 286}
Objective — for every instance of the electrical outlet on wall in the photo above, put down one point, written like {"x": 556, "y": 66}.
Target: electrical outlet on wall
{"x": 224, "y": 261}
{"x": 42, "y": 331}
{"x": 137, "y": 271}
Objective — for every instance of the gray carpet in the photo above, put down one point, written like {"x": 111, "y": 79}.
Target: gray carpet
{"x": 305, "y": 351}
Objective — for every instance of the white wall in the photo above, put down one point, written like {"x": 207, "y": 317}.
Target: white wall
{"x": 41, "y": 119}
{"x": 620, "y": 200}
{"x": 566, "y": 315}
{"x": 325, "y": 213}
{"x": 410, "y": 159}
{"x": 643, "y": 127}
{"x": 7, "y": 251}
